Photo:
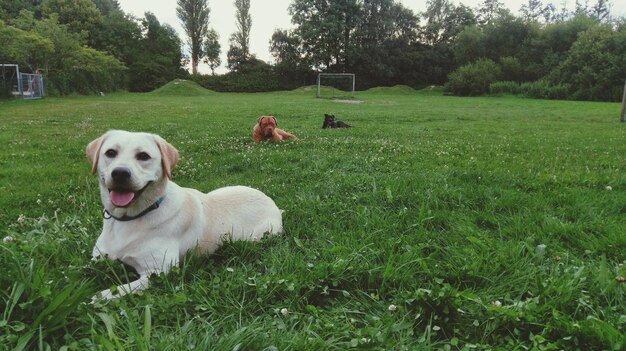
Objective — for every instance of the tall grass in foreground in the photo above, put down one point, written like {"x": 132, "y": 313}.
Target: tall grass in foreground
{"x": 434, "y": 223}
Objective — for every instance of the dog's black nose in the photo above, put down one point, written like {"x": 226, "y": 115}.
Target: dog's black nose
{"x": 120, "y": 174}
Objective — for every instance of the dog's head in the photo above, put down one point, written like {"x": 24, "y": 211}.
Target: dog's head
{"x": 132, "y": 168}
{"x": 267, "y": 125}
{"x": 328, "y": 120}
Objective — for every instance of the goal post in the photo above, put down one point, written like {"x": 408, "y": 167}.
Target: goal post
{"x": 622, "y": 115}
{"x": 11, "y": 82}
{"x": 335, "y": 85}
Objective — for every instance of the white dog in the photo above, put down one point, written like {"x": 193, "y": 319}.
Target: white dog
{"x": 150, "y": 222}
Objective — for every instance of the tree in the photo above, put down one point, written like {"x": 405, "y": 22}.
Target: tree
{"x": 212, "y": 50}
{"x": 326, "y": 28}
{"x": 286, "y": 48}
{"x": 382, "y": 20}
{"x": 117, "y": 34}
{"x": 595, "y": 65}
{"x": 444, "y": 21}
{"x": 107, "y": 6}
{"x": 194, "y": 16}
{"x": 386, "y": 36}
{"x": 10, "y": 9}
{"x": 551, "y": 45}
{"x": 507, "y": 36}
{"x": 601, "y": 10}
{"x": 469, "y": 46}
{"x": 239, "y": 51}
{"x": 490, "y": 10}
{"x": 533, "y": 10}
{"x": 72, "y": 67}
{"x": 158, "y": 59}
{"x": 507, "y": 40}
{"x": 81, "y": 16}
{"x": 27, "y": 49}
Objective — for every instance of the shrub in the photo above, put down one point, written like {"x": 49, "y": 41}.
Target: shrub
{"x": 474, "y": 78}
{"x": 595, "y": 65}
{"x": 253, "y": 76}
{"x": 541, "y": 89}
{"x": 504, "y": 87}
{"x": 88, "y": 71}
{"x": 512, "y": 69}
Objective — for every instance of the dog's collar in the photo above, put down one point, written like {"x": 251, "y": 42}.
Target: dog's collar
{"x": 107, "y": 215}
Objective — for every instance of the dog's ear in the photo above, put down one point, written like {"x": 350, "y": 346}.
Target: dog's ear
{"x": 258, "y": 120}
{"x": 275, "y": 121}
{"x": 93, "y": 151}
{"x": 169, "y": 155}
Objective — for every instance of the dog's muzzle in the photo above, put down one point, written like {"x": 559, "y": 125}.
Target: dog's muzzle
{"x": 121, "y": 175}
{"x": 122, "y": 193}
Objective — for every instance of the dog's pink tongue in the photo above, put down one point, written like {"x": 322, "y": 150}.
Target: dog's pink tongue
{"x": 121, "y": 199}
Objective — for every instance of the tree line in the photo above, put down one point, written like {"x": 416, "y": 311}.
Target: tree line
{"x": 542, "y": 52}
{"x": 87, "y": 46}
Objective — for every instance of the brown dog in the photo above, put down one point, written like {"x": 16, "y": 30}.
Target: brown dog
{"x": 265, "y": 130}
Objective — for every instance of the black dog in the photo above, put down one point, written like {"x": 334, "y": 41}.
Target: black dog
{"x": 329, "y": 122}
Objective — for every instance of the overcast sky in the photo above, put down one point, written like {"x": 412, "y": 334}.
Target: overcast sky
{"x": 269, "y": 15}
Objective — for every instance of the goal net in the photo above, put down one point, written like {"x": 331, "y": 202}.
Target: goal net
{"x": 335, "y": 85}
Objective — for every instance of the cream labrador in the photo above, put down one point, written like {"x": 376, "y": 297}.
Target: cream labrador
{"x": 150, "y": 222}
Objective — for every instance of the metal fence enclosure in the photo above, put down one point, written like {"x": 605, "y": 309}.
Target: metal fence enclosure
{"x": 32, "y": 86}
{"x": 15, "y": 83}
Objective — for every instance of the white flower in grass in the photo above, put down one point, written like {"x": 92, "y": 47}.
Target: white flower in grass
{"x": 20, "y": 219}
{"x": 497, "y": 303}
{"x": 8, "y": 239}
{"x": 229, "y": 269}
{"x": 609, "y": 188}
{"x": 392, "y": 307}
{"x": 284, "y": 312}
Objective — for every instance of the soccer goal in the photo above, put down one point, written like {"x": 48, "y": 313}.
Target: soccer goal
{"x": 335, "y": 85}
{"x": 14, "y": 83}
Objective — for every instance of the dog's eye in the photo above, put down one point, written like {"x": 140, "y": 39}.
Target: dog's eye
{"x": 143, "y": 156}
{"x": 110, "y": 153}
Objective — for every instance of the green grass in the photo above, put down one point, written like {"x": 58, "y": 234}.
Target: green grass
{"x": 419, "y": 228}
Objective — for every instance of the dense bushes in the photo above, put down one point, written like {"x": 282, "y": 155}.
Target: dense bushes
{"x": 48, "y": 47}
{"x": 578, "y": 59}
{"x": 544, "y": 90}
{"x": 596, "y": 65}
{"x": 504, "y": 88}
{"x": 86, "y": 71}
{"x": 86, "y": 47}
{"x": 252, "y": 76}
{"x": 540, "y": 89}
{"x": 474, "y": 78}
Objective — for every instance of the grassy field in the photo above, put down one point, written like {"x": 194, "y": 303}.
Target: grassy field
{"x": 436, "y": 222}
